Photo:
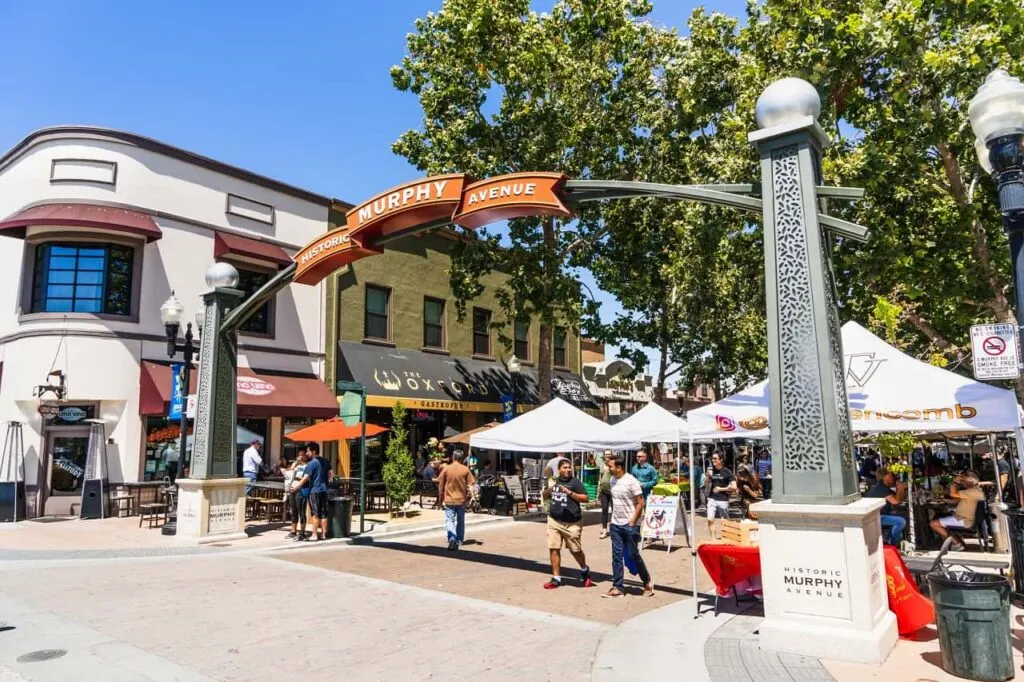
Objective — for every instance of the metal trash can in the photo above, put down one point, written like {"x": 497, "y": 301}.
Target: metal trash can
{"x": 972, "y": 613}
{"x": 339, "y": 517}
{"x": 1015, "y": 528}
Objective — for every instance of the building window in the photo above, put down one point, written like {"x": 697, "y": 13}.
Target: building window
{"x": 522, "y": 350}
{"x": 481, "y": 331}
{"x": 559, "y": 359}
{"x": 378, "y": 306}
{"x": 249, "y": 282}
{"x": 433, "y": 322}
{"x": 83, "y": 278}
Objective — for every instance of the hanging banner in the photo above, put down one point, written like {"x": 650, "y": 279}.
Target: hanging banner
{"x": 508, "y": 408}
{"x": 177, "y": 394}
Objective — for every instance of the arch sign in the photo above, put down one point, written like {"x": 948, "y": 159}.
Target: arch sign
{"x": 423, "y": 204}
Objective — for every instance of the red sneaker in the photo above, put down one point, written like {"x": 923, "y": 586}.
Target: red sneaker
{"x": 552, "y": 584}
{"x": 587, "y": 582}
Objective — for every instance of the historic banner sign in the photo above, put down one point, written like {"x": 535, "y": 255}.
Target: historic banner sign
{"x": 426, "y": 203}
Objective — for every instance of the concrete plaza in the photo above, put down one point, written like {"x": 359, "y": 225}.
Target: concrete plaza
{"x": 391, "y": 607}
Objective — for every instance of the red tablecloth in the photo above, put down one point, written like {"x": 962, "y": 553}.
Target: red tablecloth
{"x": 729, "y": 564}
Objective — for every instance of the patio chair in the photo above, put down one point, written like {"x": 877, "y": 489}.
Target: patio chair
{"x": 982, "y": 529}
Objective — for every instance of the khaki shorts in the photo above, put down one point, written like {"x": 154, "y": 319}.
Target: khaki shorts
{"x": 564, "y": 534}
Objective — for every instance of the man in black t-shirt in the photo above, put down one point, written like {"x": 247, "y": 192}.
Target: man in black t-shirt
{"x": 566, "y": 495}
{"x": 721, "y": 484}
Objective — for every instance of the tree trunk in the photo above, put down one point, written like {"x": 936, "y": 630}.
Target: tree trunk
{"x": 544, "y": 348}
{"x": 544, "y": 361}
{"x": 659, "y": 388}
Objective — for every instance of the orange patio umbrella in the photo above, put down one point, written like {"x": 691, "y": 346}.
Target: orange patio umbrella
{"x": 334, "y": 429}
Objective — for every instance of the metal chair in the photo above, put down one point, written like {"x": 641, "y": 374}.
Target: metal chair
{"x": 982, "y": 527}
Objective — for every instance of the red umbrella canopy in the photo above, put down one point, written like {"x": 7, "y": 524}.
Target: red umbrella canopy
{"x": 334, "y": 429}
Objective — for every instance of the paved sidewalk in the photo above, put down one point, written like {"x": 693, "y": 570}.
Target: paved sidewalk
{"x": 120, "y": 538}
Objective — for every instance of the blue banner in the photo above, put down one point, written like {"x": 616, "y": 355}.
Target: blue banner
{"x": 177, "y": 394}
{"x": 508, "y": 408}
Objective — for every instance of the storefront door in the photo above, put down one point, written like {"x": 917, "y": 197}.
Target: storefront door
{"x": 66, "y": 451}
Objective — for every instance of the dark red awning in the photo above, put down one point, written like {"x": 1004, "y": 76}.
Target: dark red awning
{"x": 231, "y": 244}
{"x": 260, "y": 395}
{"x": 82, "y": 215}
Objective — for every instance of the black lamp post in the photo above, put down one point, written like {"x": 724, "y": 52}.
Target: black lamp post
{"x": 997, "y": 117}
{"x": 171, "y": 314}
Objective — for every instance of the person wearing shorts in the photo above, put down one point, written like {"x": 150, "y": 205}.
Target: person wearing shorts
{"x": 297, "y": 501}
{"x": 316, "y": 476}
{"x": 721, "y": 484}
{"x": 968, "y": 494}
{"x": 564, "y": 529}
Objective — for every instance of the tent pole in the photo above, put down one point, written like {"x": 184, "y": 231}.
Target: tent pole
{"x": 693, "y": 532}
{"x": 971, "y": 455}
{"x": 910, "y": 500}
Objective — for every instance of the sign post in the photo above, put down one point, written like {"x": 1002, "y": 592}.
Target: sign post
{"x": 995, "y": 349}
{"x": 662, "y": 519}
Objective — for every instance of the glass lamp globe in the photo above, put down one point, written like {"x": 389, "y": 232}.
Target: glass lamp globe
{"x": 787, "y": 100}
{"x": 221, "y": 275}
{"x": 513, "y": 365}
{"x": 200, "y": 318}
{"x": 998, "y": 107}
{"x": 172, "y": 312}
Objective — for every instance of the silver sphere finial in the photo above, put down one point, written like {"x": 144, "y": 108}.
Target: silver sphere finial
{"x": 787, "y": 100}
{"x": 221, "y": 275}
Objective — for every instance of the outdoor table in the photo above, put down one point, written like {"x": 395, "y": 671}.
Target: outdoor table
{"x": 729, "y": 565}
{"x": 269, "y": 489}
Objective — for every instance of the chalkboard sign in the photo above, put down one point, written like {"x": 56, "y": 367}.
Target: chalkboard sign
{"x": 514, "y": 486}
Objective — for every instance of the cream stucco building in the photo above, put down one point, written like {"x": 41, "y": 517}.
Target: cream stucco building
{"x": 97, "y": 227}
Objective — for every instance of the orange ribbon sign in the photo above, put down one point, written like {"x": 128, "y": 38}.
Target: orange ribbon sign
{"x": 425, "y": 203}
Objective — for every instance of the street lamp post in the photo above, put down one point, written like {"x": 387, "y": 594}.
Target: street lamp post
{"x": 354, "y": 387}
{"x": 997, "y": 117}
{"x": 514, "y": 368}
{"x": 171, "y": 314}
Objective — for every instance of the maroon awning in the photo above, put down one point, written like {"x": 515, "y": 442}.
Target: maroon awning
{"x": 259, "y": 395}
{"x": 228, "y": 244}
{"x": 82, "y": 215}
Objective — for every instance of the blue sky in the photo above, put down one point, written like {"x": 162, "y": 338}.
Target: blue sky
{"x": 298, "y": 91}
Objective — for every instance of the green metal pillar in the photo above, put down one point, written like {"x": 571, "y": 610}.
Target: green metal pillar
{"x": 812, "y": 441}
{"x": 213, "y": 449}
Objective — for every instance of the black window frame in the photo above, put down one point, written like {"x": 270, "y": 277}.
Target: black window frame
{"x": 260, "y": 323}
{"x": 439, "y": 327}
{"x": 485, "y": 332}
{"x": 367, "y": 314}
{"x": 521, "y": 352}
{"x": 555, "y": 350}
{"x": 38, "y": 297}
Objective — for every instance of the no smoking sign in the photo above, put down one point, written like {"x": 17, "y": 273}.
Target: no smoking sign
{"x": 996, "y": 351}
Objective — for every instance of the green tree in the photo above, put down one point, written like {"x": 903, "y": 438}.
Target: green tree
{"x": 900, "y": 74}
{"x": 505, "y": 89}
{"x": 399, "y": 468}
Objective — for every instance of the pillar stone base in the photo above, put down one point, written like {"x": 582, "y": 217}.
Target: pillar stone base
{"x": 823, "y": 574}
{"x": 211, "y": 510}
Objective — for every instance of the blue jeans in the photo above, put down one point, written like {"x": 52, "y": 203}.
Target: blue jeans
{"x": 626, "y": 539}
{"x": 251, "y": 476}
{"x": 455, "y": 522}
{"x": 895, "y": 524}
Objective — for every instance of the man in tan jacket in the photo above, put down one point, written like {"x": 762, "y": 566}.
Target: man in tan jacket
{"x": 455, "y": 485}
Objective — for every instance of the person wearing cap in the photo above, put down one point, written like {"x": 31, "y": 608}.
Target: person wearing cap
{"x": 252, "y": 462}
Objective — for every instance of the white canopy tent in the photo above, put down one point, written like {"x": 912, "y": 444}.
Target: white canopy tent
{"x": 555, "y": 426}
{"x": 887, "y": 391}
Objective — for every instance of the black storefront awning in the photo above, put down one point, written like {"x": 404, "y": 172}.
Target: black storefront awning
{"x": 429, "y": 381}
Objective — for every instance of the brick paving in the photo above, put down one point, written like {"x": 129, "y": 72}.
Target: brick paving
{"x": 507, "y": 564}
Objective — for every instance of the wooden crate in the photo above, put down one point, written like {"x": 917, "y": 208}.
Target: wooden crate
{"x": 740, "y": 532}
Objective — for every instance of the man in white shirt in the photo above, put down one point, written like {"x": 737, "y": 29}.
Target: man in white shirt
{"x": 627, "y": 514}
{"x": 252, "y": 462}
